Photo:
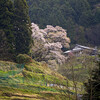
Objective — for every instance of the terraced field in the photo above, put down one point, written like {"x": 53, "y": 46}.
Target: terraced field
{"x": 33, "y": 81}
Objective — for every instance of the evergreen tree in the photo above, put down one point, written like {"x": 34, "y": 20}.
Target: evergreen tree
{"x": 69, "y": 14}
{"x": 93, "y": 85}
{"x": 6, "y": 22}
{"x": 4, "y": 47}
{"x": 22, "y": 27}
{"x": 79, "y": 6}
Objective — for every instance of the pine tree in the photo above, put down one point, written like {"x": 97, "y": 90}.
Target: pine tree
{"x": 93, "y": 85}
{"x": 22, "y": 27}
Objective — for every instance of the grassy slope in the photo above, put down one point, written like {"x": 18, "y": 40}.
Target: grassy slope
{"x": 82, "y": 66}
{"x": 30, "y": 81}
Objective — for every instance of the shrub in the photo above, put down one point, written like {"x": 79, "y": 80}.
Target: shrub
{"x": 23, "y": 58}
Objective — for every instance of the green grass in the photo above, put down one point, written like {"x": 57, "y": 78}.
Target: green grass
{"x": 32, "y": 78}
{"x": 8, "y": 93}
{"x": 81, "y": 66}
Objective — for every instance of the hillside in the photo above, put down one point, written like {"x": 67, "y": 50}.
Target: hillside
{"x": 81, "y": 67}
{"x": 33, "y": 41}
{"x": 34, "y": 80}
{"x": 81, "y": 18}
